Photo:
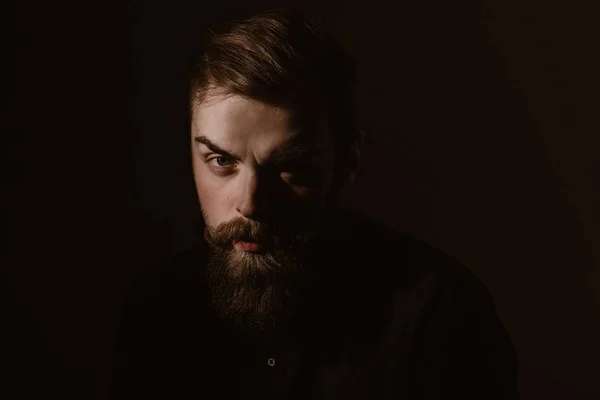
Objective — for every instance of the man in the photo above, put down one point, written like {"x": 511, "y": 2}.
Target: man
{"x": 291, "y": 296}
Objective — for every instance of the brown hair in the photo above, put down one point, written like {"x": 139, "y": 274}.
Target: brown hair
{"x": 279, "y": 58}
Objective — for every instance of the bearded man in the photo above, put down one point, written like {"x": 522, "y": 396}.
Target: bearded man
{"x": 290, "y": 295}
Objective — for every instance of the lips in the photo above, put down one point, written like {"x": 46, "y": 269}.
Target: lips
{"x": 251, "y": 246}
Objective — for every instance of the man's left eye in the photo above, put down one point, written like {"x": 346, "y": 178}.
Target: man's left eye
{"x": 301, "y": 173}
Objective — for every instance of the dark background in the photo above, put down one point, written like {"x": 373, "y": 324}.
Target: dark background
{"x": 483, "y": 140}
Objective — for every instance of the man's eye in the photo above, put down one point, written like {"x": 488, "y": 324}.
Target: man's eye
{"x": 220, "y": 161}
{"x": 301, "y": 174}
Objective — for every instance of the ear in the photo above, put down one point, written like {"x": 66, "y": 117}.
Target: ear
{"x": 350, "y": 167}
{"x": 353, "y": 160}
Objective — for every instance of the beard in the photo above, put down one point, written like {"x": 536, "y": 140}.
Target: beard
{"x": 255, "y": 290}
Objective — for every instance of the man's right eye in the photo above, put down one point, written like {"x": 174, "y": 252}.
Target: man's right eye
{"x": 220, "y": 161}
{"x": 220, "y": 164}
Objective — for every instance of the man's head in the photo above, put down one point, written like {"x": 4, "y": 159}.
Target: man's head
{"x": 274, "y": 144}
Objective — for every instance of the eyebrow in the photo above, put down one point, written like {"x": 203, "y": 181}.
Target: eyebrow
{"x": 215, "y": 148}
{"x": 295, "y": 149}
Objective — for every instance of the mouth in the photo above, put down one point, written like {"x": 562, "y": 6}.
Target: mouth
{"x": 249, "y": 245}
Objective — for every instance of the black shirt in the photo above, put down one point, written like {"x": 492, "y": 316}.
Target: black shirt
{"x": 391, "y": 318}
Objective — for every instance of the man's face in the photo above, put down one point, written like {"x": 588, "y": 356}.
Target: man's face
{"x": 264, "y": 179}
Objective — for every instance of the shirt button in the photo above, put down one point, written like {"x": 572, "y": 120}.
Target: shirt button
{"x": 271, "y": 362}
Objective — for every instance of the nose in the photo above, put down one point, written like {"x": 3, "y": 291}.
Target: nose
{"x": 255, "y": 197}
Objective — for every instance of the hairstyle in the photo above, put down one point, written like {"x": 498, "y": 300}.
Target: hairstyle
{"x": 279, "y": 58}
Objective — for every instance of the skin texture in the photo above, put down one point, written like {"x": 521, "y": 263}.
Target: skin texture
{"x": 264, "y": 177}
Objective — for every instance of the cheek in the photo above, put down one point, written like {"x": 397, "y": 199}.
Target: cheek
{"x": 206, "y": 185}
{"x": 315, "y": 198}
{"x": 309, "y": 206}
{"x": 310, "y": 199}
{"x": 208, "y": 195}
{"x": 214, "y": 197}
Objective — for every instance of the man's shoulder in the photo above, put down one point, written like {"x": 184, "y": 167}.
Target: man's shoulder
{"x": 168, "y": 277}
{"x": 384, "y": 244}
{"x": 407, "y": 263}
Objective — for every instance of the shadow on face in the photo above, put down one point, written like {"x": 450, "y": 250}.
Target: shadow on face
{"x": 264, "y": 182}
{"x": 255, "y": 161}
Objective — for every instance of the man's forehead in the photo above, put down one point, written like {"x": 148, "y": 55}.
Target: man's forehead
{"x": 235, "y": 109}
{"x": 236, "y": 122}
{"x": 288, "y": 136}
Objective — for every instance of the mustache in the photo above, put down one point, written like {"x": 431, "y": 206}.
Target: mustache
{"x": 239, "y": 229}
{"x": 275, "y": 238}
